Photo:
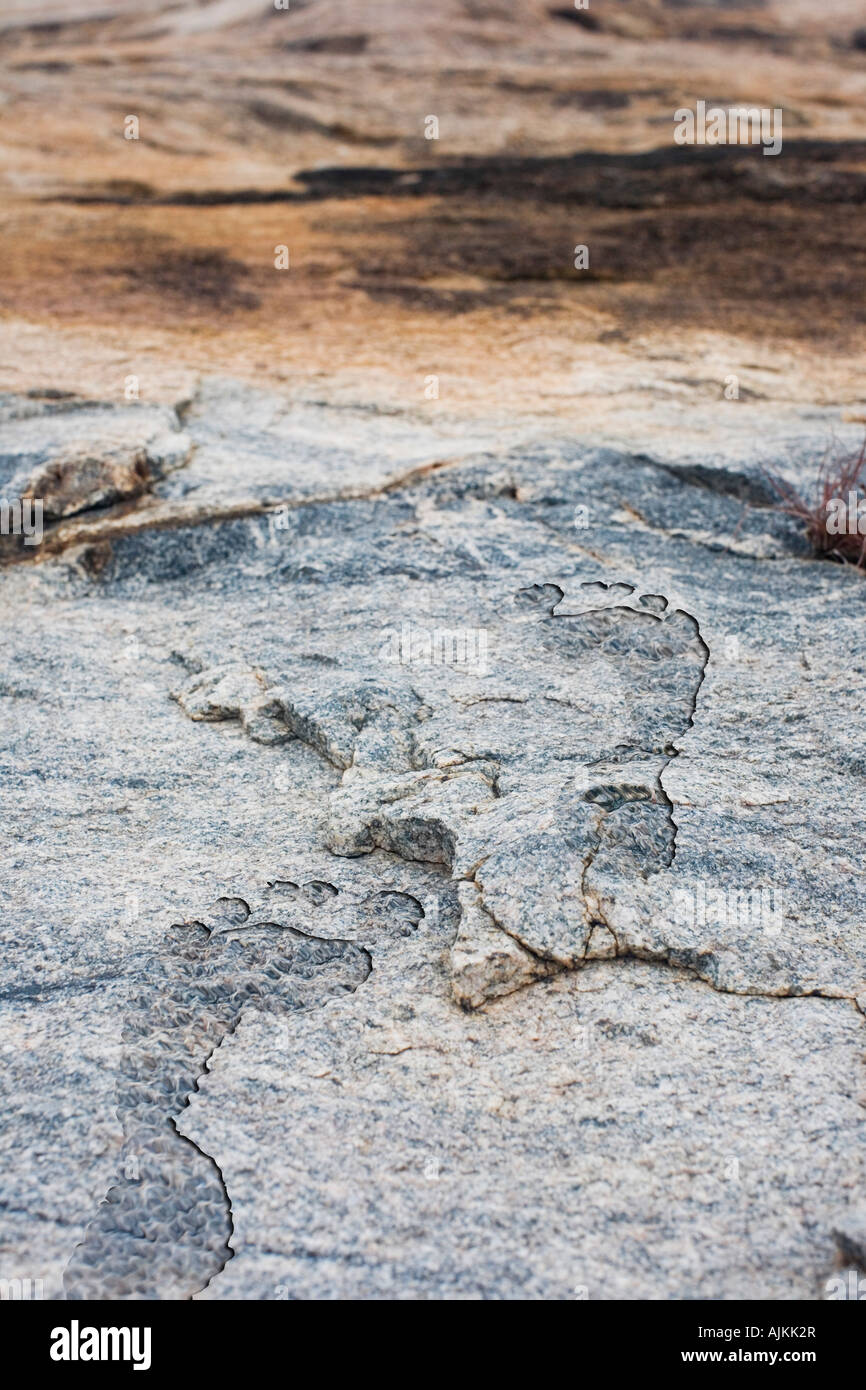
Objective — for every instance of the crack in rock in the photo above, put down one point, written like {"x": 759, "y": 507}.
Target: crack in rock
{"x": 77, "y": 457}
{"x": 549, "y": 814}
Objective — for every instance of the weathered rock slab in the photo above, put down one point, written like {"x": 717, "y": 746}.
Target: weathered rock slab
{"x": 535, "y": 847}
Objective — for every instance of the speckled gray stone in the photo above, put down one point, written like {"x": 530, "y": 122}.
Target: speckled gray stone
{"x": 541, "y": 844}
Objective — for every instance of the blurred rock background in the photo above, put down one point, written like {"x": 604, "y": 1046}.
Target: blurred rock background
{"x": 410, "y": 257}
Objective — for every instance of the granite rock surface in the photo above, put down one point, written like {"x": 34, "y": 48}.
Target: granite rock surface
{"x": 484, "y": 830}
{"x": 432, "y": 768}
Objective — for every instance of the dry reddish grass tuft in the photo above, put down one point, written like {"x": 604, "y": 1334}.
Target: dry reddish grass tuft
{"x": 835, "y": 521}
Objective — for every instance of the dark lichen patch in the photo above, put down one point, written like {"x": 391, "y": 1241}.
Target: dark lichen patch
{"x": 343, "y": 44}
{"x": 203, "y": 278}
{"x": 685, "y": 244}
{"x": 582, "y": 18}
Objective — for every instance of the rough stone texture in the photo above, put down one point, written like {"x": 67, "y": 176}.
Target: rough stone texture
{"x": 163, "y": 1230}
{"x": 428, "y": 614}
{"x": 77, "y": 455}
{"x": 851, "y": 1238}
{"x": 619, "y": 1132}
{"x": 435, "y": 878}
